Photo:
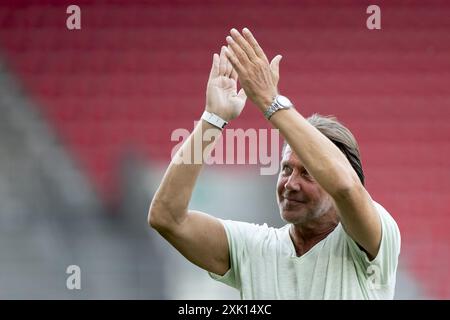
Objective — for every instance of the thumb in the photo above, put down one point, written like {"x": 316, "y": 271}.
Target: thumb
{"x": 241, "y": 94}
{"x": 275, "y": 65}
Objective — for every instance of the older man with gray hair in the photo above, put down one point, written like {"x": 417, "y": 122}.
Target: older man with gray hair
{"x": 338, "y": 243}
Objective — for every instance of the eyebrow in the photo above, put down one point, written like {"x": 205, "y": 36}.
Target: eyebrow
{"x": 289, "y": 163}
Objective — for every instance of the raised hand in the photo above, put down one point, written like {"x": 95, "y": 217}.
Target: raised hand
{"x": 258, "y": 78}
{"x": 222, "y": 97}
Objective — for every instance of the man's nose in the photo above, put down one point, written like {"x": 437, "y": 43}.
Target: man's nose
{"x": 292, "y": 183}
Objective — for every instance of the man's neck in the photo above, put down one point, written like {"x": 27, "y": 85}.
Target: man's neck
{"x": 306, "y": 235}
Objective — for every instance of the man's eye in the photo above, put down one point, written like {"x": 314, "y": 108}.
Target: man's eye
{"x": 306, "y": 174}
{"x": 286, "y": 169}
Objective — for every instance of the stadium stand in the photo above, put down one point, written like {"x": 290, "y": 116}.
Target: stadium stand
{"x": 135, "y": 72}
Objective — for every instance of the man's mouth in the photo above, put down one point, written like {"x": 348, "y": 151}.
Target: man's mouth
{"x": 290, "y": 199}
{"x": 290, "y": 202}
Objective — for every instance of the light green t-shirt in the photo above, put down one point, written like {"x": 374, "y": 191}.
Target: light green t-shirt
{"x": 264, "y": 264}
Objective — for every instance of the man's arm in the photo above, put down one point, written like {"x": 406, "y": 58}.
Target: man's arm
{"x": 331, "y": 169}
{"x": 323, "y": 160}
{"x": 199, "y": 237}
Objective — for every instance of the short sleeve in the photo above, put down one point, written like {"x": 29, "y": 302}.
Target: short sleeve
{"x": 382, "y": 269}
{"x": 239, "y": 234}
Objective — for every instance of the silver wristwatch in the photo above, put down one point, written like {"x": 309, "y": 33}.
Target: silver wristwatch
{"x": 278, "y": 103}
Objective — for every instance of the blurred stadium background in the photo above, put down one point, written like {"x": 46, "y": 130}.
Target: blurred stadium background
{"x": 86, "y": 119}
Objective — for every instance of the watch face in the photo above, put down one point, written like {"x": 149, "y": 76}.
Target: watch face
{"x": 283, "y": 101}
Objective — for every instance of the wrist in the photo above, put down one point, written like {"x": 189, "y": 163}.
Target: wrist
{"x": 219, "y": 113}
{"x": 214, "y": 119}
{"x": 265, "y": 102}
{"x": 278, "y": 103}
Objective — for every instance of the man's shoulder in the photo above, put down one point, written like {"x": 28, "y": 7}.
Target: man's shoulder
{"x": 385, "y": 216}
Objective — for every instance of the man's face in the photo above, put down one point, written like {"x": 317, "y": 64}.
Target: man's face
{"x": 300, "y": 198}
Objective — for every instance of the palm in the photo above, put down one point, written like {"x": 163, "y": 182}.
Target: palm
{"x": 222, "y": 93}
{"x": 222, "y": 97}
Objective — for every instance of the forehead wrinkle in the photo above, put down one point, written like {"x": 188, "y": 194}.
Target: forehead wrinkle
{"x": 291, "y": 158}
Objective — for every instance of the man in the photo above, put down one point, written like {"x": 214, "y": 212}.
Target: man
{"x": 338, "y": 243}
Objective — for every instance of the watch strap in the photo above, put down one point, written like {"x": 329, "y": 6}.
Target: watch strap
{"x": 274, "y": 107}
{"x": 214, "y": 119}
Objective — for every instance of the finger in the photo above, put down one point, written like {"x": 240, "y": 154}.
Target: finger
{"x": 233, "y": 74}
{"x": 237, "y": 66}
{"x": 229, "y": 68}
{"x": 238, "y": 52}
{"x": 245, "y": 46}
{"x": 275, "y": 65}
{"x": 222, "y": 62}
{"x": 215, "y": 66}
{"x": 255, "y": 45}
